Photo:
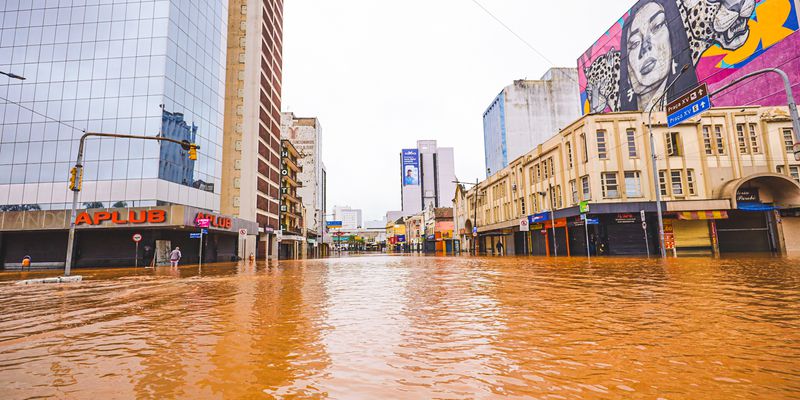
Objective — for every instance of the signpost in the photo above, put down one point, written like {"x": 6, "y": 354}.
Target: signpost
{"x": 693, "y": 102}
{"x": 243, "y": 242}
{"x": 136, "y": 239}
{"x": 523, "y": 225}
{"x": 644, "y": 228}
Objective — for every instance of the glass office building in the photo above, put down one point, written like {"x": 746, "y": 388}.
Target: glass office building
{"x": 120, "y": 66}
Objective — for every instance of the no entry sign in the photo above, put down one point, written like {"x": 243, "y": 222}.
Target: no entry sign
{"x": 137, "y": 237}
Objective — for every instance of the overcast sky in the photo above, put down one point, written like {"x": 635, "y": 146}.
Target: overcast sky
{"x": 380, "y": 75}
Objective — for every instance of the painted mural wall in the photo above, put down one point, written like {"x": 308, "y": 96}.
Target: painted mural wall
{"x": 629, "y": 67}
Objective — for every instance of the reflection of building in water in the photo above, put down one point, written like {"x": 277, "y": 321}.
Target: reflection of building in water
{"x": 174, "y": 164}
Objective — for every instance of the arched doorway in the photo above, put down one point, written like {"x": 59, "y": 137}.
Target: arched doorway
{"x": 468, "y": 243}
{"x": 756, "y": 201}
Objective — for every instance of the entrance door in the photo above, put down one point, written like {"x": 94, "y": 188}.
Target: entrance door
{"x": 538, "y": 243}
{"x": 744, "y": 231}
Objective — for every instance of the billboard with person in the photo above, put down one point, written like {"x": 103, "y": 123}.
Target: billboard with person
{"x": 410, "y": 167}
{"x": 629, "y": 67}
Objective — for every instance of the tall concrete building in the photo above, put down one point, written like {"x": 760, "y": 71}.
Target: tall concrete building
{"x": 526, "y": 113}
{"x": 306, "y": 135}
{"x": 251, "y": 150}
{"x": 140, "y": 68}
{"x": 350, "y": 217}
{"x": 427, "y": 177}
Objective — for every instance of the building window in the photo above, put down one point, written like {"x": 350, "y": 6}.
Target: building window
{"x": 676, "y": 182}
{"x": 673, "y": 144}
{"x": 602, "y": 151}
{"x": 545, "y": 172}
{"x": 788, "y": 139}
{"x": 609, "y": 184}
{"x": 569, "y": 155}
{"x": 557, "y": 196}
{"x": 551, "y": 167}
{"x": 690, "y": 182}
{"x": 538, "y": 172}
{"x": 523, "y": 211}
{"x": 747, "y": 139}
{"x": 662, "y": 182}
{"x": 707, "y": 140}
{"x": 632, "y": 153}
{"x": 794, "y": 171}
{"x": 573, "y": 189}
{"x": 633, "y": 184}
{"x": 585, "y": 154}
{"x": 718, "y": 140}
{"x": 533, "y": 177}
{"x": 587, "y": 193}
{"x": 740, "y": 139}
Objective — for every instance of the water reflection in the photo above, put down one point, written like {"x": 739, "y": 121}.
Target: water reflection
{"x": 409, "y": 327}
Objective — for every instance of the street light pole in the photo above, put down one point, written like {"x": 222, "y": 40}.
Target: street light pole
{"x": 654, "y": 162}
{"x": 79, "y": 173}
{"x": 787, "y": 86}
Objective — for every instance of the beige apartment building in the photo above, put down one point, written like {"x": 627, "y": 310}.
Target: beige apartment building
{"x": 728, "y": 178}
{"x": 251, "y": 141}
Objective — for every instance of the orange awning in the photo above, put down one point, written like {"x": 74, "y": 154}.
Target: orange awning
{"x": 699, "y": 215}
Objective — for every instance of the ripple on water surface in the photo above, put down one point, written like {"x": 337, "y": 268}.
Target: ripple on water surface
{"x": 410, "y": 327}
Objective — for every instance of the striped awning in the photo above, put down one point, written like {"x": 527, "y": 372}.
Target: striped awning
{"x": 700, "y": 215}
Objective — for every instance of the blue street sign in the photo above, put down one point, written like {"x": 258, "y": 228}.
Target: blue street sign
{"x": 697, "y": 107}
{"x": 205, "y": 231}
{"x": 592, "y": 221}
{"x": 538, "y": 218}
{"x": 194, "y": 235}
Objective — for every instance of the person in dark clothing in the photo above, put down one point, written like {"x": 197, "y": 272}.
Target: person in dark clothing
{"x": 499, "y": 248}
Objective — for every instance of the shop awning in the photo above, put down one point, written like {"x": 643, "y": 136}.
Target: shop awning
{"x": 699, "y": 215}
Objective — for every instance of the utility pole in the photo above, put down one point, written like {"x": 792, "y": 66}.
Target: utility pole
{"x": 654, "y": 162}
{"x": 76, "y": 177}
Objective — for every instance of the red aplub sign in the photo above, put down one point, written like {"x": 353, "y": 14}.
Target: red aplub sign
{"x": 215, "y": 221}
{"x": 131, "y": 217}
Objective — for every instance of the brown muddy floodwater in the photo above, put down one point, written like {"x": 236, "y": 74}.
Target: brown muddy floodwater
{"x": 403, "y": 327}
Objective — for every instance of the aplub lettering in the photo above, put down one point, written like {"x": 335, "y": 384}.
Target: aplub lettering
{"x": 216, "y": 220}
{"x": 122, "y": 218}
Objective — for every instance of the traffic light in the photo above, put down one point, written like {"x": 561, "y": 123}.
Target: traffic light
{"x": 75, "y": 179}
{"x": 193, "y": 151}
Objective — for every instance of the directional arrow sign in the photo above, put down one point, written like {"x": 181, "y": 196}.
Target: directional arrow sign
{"x": 688, "y": 105}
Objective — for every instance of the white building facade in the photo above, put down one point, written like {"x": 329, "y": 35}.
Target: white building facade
{"x": 526, "y": 113}
{"x": 428, "y": 175}
{"x": 350, "y": 217}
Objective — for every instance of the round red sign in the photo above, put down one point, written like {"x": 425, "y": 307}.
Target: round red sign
{"x": 137, "y": 237}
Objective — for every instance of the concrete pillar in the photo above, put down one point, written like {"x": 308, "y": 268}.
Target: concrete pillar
{"x": 273, "y": 246}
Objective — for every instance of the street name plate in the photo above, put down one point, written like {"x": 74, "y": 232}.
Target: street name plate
{"x": 690, "y": 104}
{"x": 687, "y": 98}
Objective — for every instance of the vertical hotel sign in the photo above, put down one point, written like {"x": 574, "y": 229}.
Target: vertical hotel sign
{"x": 410, "y": 167}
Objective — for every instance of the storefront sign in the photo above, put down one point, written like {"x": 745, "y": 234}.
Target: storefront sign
{"x": 625, "y": 218}
{"x": 202, "y": 222}
{"x": 215, "y": 221}
{"x": 401, "y": 238}
{"x": 333, "y": 224}
{"x": 540, "y": 217}
{"x": 747, "y": 195}
{"x": 122, "y": 218}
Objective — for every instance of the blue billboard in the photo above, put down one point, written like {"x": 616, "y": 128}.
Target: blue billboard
{"x": 410, "y": 167}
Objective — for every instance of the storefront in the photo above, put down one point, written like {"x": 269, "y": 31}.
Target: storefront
{"x": 624, "y": 234}
{"x": 105, "y": 237}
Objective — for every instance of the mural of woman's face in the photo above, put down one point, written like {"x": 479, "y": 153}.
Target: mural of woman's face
{"x": 649, "y": 50}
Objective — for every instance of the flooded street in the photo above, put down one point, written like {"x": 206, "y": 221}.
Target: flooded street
{"x": 396, "y": 327}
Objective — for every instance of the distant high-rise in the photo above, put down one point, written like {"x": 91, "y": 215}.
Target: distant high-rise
{"x": 252, "y": 138}
{"x": 427, "y": 177}
{"x": 306, "y": 135}
{"x": 350, "y": 217}
{"x": 526, "y": 113}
